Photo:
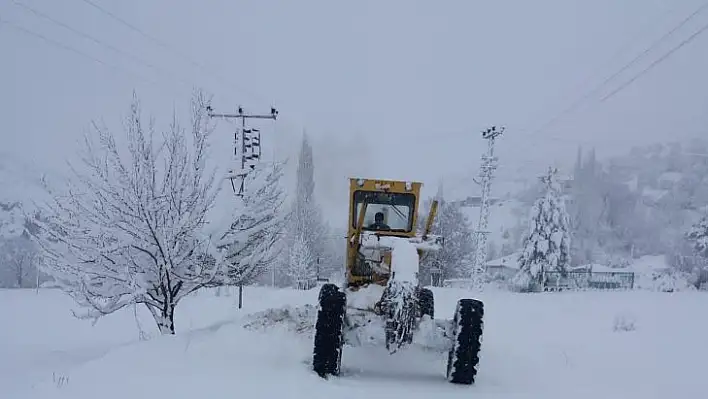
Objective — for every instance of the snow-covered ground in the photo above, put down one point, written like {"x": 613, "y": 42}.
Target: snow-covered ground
{"x": 636, "y": 344}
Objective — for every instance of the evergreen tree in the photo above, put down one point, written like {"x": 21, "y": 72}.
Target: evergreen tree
{"x": 306, "y": 224}
{"x": 547, "y": 245}
{"x": 698, "y": 236}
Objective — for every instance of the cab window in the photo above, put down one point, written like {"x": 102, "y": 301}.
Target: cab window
{"x": 397, "y": 210}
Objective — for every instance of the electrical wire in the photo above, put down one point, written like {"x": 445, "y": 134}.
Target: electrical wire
{"x": 589, "y": 94}
{"x": 193, "y": 62}
{"x": 162, "y": 71}
{"x": 99, "y": 42}
{"x": 80, "y": 53}
{"x": 166, "y": 46}
{"x": 657, "y": 62}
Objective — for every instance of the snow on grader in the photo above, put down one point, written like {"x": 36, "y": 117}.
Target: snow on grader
{"x": 382, "y": 296}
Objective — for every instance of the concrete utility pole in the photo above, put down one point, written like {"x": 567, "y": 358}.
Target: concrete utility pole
{"x": 245, "y": 145}
{"x": 247, "y": 141}
{"x": 489, "y": 163}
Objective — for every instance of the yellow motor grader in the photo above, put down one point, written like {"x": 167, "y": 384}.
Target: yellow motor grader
{"x": 382, "y": 292}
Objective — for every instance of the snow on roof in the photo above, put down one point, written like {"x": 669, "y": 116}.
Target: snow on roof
{"x": 649, "y": 263}
{"x": 653, "y": 194}
{"x": 671, "y": 176}
{"x": 501, "y": 216}
{"x": 632, "y": 183}
{"x": 598, "y": 268}
{"x": 510, "y": 261}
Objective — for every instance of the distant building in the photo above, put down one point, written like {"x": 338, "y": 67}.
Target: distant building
{"x": 504, "y": 267}
{"x": 476, "y": 201}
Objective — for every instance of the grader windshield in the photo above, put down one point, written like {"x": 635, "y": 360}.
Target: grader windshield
{"x": 385, "y": 211}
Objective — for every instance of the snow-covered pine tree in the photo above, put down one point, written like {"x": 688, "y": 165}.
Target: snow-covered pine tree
{"x": 698, "y": 236}
{"x": 129, "y": 231}
{"x": 251, "y": 243}
{"x": 301, "y": 267}
{"x": 547, "y": 243}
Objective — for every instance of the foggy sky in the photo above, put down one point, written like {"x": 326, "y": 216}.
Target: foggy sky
{"x": 391, "y": 89}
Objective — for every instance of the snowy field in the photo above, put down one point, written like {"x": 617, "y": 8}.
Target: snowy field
{"x": 561, "y": 345}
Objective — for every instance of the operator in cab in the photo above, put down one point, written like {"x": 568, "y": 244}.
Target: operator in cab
{"x": 379, "y": 222}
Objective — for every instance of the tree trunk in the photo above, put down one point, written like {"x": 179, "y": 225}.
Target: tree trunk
{"x": 164, "y": 317}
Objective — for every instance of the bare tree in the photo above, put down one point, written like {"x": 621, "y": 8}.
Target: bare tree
{"x": 131, "y": 231}
{"x": 453, "y": 224}
{"x": 301, "y": 268}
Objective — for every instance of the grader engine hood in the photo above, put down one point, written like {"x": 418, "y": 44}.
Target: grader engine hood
{"x": 376, "y": 249}
{"x": 371, "y": 240}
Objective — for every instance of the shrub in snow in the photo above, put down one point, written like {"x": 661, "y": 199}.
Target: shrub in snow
{"x": 547, "y": 243}
{"x": 624, "y": 322}
{"x": 671, "y": 281}
{"x": 60, "y": 380}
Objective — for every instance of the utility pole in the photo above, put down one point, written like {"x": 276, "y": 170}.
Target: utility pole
{"x": 489, "y": 163}
{"x": 245, "y": 143}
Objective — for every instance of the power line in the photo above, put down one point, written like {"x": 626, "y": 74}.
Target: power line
{"x": 622, "y": 69}
{"x": 97, "y": 41}
{"x": 657, "y": 62}
{"x": 193, "y": 61}
{"x": 168, "y": 47}
{"x": 75, "y": 51}
{"x": 620, "y": 52}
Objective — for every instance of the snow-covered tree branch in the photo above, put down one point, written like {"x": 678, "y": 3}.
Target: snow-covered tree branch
{"x": 130, "y": 229}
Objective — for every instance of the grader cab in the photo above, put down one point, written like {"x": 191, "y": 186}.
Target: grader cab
{"x": 382, "y": 208}
{"x": 382, "y": 287}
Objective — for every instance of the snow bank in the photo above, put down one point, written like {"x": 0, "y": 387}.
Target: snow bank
{"x": 297, "y": 320}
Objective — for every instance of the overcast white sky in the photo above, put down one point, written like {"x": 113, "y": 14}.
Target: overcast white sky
{"x": 393, "y": 89}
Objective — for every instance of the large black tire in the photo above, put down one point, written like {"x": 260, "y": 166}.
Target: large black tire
{"x": 329, "y": 338}
{"x": 463, "y": 357}
{"x": 426, "y": 302}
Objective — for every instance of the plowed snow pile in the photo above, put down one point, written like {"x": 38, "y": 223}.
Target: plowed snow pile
{"x": 622, "y": 345}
